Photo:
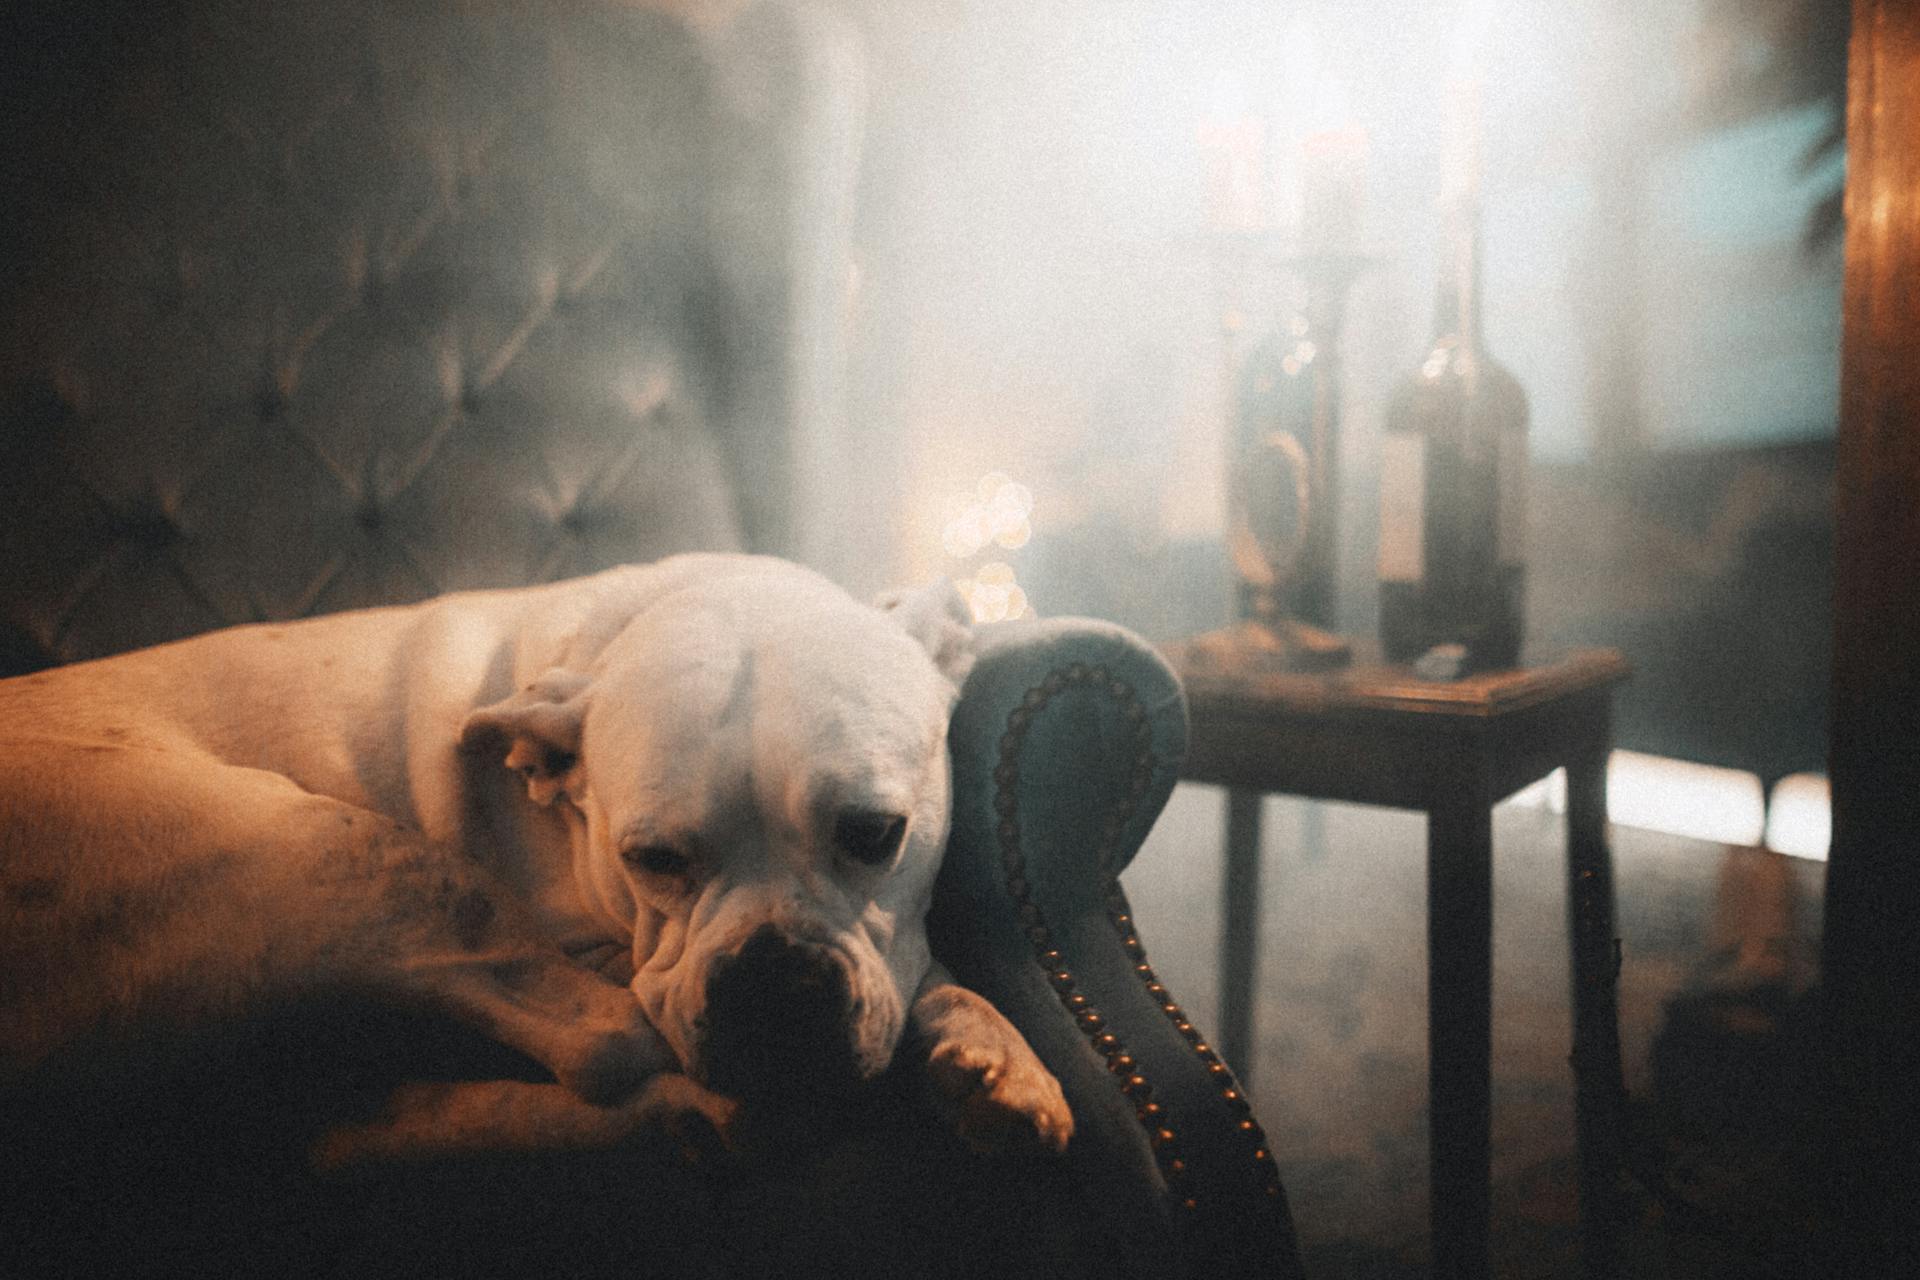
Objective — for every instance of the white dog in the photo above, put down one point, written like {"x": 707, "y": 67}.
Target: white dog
{"x": 683, "y": 817}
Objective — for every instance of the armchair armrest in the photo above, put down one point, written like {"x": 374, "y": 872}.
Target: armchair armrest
{"x": 1066, "y": 743}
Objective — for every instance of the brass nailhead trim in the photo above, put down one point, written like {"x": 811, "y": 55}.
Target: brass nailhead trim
{"x": 1133, "y": 1084}
{"x": 1121, "y": 916}
{"x": 1165, "y": 1142}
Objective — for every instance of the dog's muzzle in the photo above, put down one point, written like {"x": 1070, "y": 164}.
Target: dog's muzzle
{"x": 780, "y": 1019}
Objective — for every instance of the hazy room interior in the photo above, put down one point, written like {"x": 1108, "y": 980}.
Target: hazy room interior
{"x": 334, "y": 305}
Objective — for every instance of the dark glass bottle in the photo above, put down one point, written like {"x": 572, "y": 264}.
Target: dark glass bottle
{"x": 1453, "y": 473}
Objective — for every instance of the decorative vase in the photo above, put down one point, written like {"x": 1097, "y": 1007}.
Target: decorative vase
{"x": 1283, "y": 474}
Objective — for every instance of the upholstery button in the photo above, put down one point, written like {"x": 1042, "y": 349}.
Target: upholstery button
{"x": 41, "y": 407}
{"x": 270, "y": 405}
{"x": 147, "y": 526}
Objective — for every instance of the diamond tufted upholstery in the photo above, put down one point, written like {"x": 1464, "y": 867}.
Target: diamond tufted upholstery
{"x": 308, "y": 306}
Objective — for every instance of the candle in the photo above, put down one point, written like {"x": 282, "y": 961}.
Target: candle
{"x": 1460, "y": 155}
{"x": 1327, "y": 191}
{"x": 1461, "y": 162}
{"x": 1333, "y": 168}
{"x": 1233, "y": 144}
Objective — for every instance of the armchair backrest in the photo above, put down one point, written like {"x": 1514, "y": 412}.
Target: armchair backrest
{"x": 309, "y": 306}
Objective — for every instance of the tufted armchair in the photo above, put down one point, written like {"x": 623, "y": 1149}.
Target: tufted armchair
{"x": 309, "y": 306}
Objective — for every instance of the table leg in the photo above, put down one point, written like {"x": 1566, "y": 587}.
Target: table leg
{"x": 1460, "y": 1028}
{"x": 1239, "y": 930}
{"x": 1599, "y": 1090}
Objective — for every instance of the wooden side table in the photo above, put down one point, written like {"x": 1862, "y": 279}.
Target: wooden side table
{"x": 1375, "y": 734}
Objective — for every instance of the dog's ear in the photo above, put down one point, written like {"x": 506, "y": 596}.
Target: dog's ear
{"x": 939, "y": 619}
{"x": 540, "y": 728}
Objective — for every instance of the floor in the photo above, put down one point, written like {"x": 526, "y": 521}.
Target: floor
{"x": 1719, "y": 948}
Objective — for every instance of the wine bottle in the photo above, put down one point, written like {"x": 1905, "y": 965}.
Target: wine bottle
{"x": 1453, "y": 470}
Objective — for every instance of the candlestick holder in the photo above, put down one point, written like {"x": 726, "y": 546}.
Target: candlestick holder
{"x": 1283, "y": 479}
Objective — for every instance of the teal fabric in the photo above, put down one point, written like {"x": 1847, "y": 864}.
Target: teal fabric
{"x": 1066, "y": 744}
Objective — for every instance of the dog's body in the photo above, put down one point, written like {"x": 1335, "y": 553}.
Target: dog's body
{"x": 711, "y": 850}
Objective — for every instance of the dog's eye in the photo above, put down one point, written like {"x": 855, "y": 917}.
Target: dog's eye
{"x": 870, "y": 838}
{"x": 656, "y": 859}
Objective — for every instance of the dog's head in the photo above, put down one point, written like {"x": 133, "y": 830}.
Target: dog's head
{"x": 755, "y": 770}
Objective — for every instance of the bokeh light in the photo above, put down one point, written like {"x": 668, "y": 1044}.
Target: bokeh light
{"x": 993, "y": 594}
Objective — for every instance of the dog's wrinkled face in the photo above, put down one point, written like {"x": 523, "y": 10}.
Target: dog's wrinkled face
{"x": 761, "y": 782}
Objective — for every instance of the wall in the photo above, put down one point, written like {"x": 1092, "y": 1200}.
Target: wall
{"x": 1045, "y": 290}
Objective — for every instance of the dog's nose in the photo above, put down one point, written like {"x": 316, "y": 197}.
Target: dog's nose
{"x": 779, "y": 1018}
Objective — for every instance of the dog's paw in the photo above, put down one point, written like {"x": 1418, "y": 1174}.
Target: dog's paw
{"x": 998, "y": 1096}
{"x": 610, "y": 1059}
{"x": 699, "y": 1124}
